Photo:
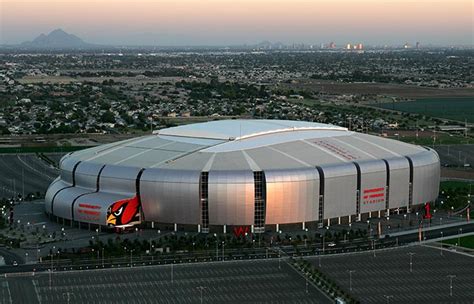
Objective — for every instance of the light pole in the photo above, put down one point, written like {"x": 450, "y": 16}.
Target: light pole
{"x": 217, "y": 249}
{"x": 223, "y": 245}
{"x": 279, "y": 260}
{"x": 459, "y": 237}
{"x": 350, "y": 279}
{"x": 171, "y": 272}
{"x": 411, "y": 254}
{"x": 373, "y": 247}
{"x": 68, "y": 296}
{"x": 388, "y": 298}
{"x": 201, "y": 289}
{"x": 451, "y": 277}
{"x": 441, "y": 244}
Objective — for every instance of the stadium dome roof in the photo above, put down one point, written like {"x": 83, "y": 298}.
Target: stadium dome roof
{"x": 247, "y": 145}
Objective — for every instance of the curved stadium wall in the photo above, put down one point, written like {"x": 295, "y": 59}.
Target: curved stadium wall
{"x": 255, "y": 173}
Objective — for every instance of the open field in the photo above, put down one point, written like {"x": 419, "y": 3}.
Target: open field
{"x": 229, "y": 282}
{"x": 388, "y": 274}
{"x": 459, "y": 109}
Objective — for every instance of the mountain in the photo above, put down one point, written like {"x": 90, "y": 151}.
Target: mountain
{"x": 57, "y": 39}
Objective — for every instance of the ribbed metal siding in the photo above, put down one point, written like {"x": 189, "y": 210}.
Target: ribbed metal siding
{"x": 340, "y": 185}
{"x": 399, "y": 182}
{"x": 292, "y": 195}
{"x": 373, "y": 177}
{"x": 426, "y": 176}
{"x": 231, "y": 198}
{"x": 170, "y": 196}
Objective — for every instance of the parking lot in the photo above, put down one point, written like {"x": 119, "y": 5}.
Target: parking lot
{"x": 229, "y": 282}
{"x": 24, "y": 174}
{"x": 387, "y": 275}
{"x": 456, "y": 155}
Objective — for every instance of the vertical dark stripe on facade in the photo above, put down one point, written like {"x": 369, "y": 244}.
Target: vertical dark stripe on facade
{"x": 97, "y": 186}
{"x": 73, "y": 184}
{"x": 260, "y": 199}
{"x": 321, "y": 194}
{"x": 204, "y": 200}
{"x": 137, "y": 191}
{"x": 387, "y": 185}
{"x": 410, "y": 185}
{"x": 359, "y": 183}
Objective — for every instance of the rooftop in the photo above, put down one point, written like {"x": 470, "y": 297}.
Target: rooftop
{"x": 242, "y": 129}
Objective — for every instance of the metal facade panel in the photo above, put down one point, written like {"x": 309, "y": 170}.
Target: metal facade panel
{"x": 231, "y": 198}
{"x": 340, "y": 185}
{"x": 67, "y": 166}
{"x": 268, "y": 159}
{"x": 373, "y": 183}
{"x": 399, "y": 182}
{"x": 150, "y": 158}
{"x": 389, "y": 144}
{"x": 55, "y": 186}
{"x": 170, "y": 196}
{"x": 307, "y": 152}
{"x": 118, "y": 179}
{"x": 426, "y": 176}
{"x": 230, "y": 161}
{"x": 114, "y": 155}
{"x": 194, "y": 161}
{"x": 86, "y": 175}
{"x": 292, "y": 196}
{"x": 148, "y": 142}
{"x": 64, "y": 199}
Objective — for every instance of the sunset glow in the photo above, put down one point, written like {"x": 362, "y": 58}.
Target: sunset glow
{"x": 200, "y": 22}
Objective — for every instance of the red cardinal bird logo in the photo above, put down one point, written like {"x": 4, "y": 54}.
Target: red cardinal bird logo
{"x": 124, "y": 213}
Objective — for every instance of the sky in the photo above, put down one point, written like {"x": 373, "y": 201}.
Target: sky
{"x": 237, "y": 22}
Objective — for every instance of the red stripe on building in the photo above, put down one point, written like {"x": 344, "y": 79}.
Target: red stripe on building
{"x": 89, "y": 212}
{"x": 89, "y": 206}
{"x": 373, "y": 190}
{"x": 376, "y": 195}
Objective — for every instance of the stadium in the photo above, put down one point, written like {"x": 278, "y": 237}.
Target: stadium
{"x": 258, "y": 174}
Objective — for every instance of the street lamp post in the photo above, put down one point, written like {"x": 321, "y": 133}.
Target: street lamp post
{"x": 388, "y": 298}
{"x": 459, "y": 237}
{"x": 451, "y": 277}
{"x": 411, "y": 254}
{"x": 171, "y": 272}
{"x": 350, "y": 279}
{"x": 201, "y": 289}
{"x": 441, "y": 244}
{"x": 223, "y": 246}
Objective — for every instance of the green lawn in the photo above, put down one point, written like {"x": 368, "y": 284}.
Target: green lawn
{"x": 466, "y": 241}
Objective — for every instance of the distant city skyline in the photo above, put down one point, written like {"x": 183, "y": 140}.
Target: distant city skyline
{"x": 226, "y": 22}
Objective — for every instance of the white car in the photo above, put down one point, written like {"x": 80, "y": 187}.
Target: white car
{"x": 15, "y": 263}
{"x": 332, "y": 244}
